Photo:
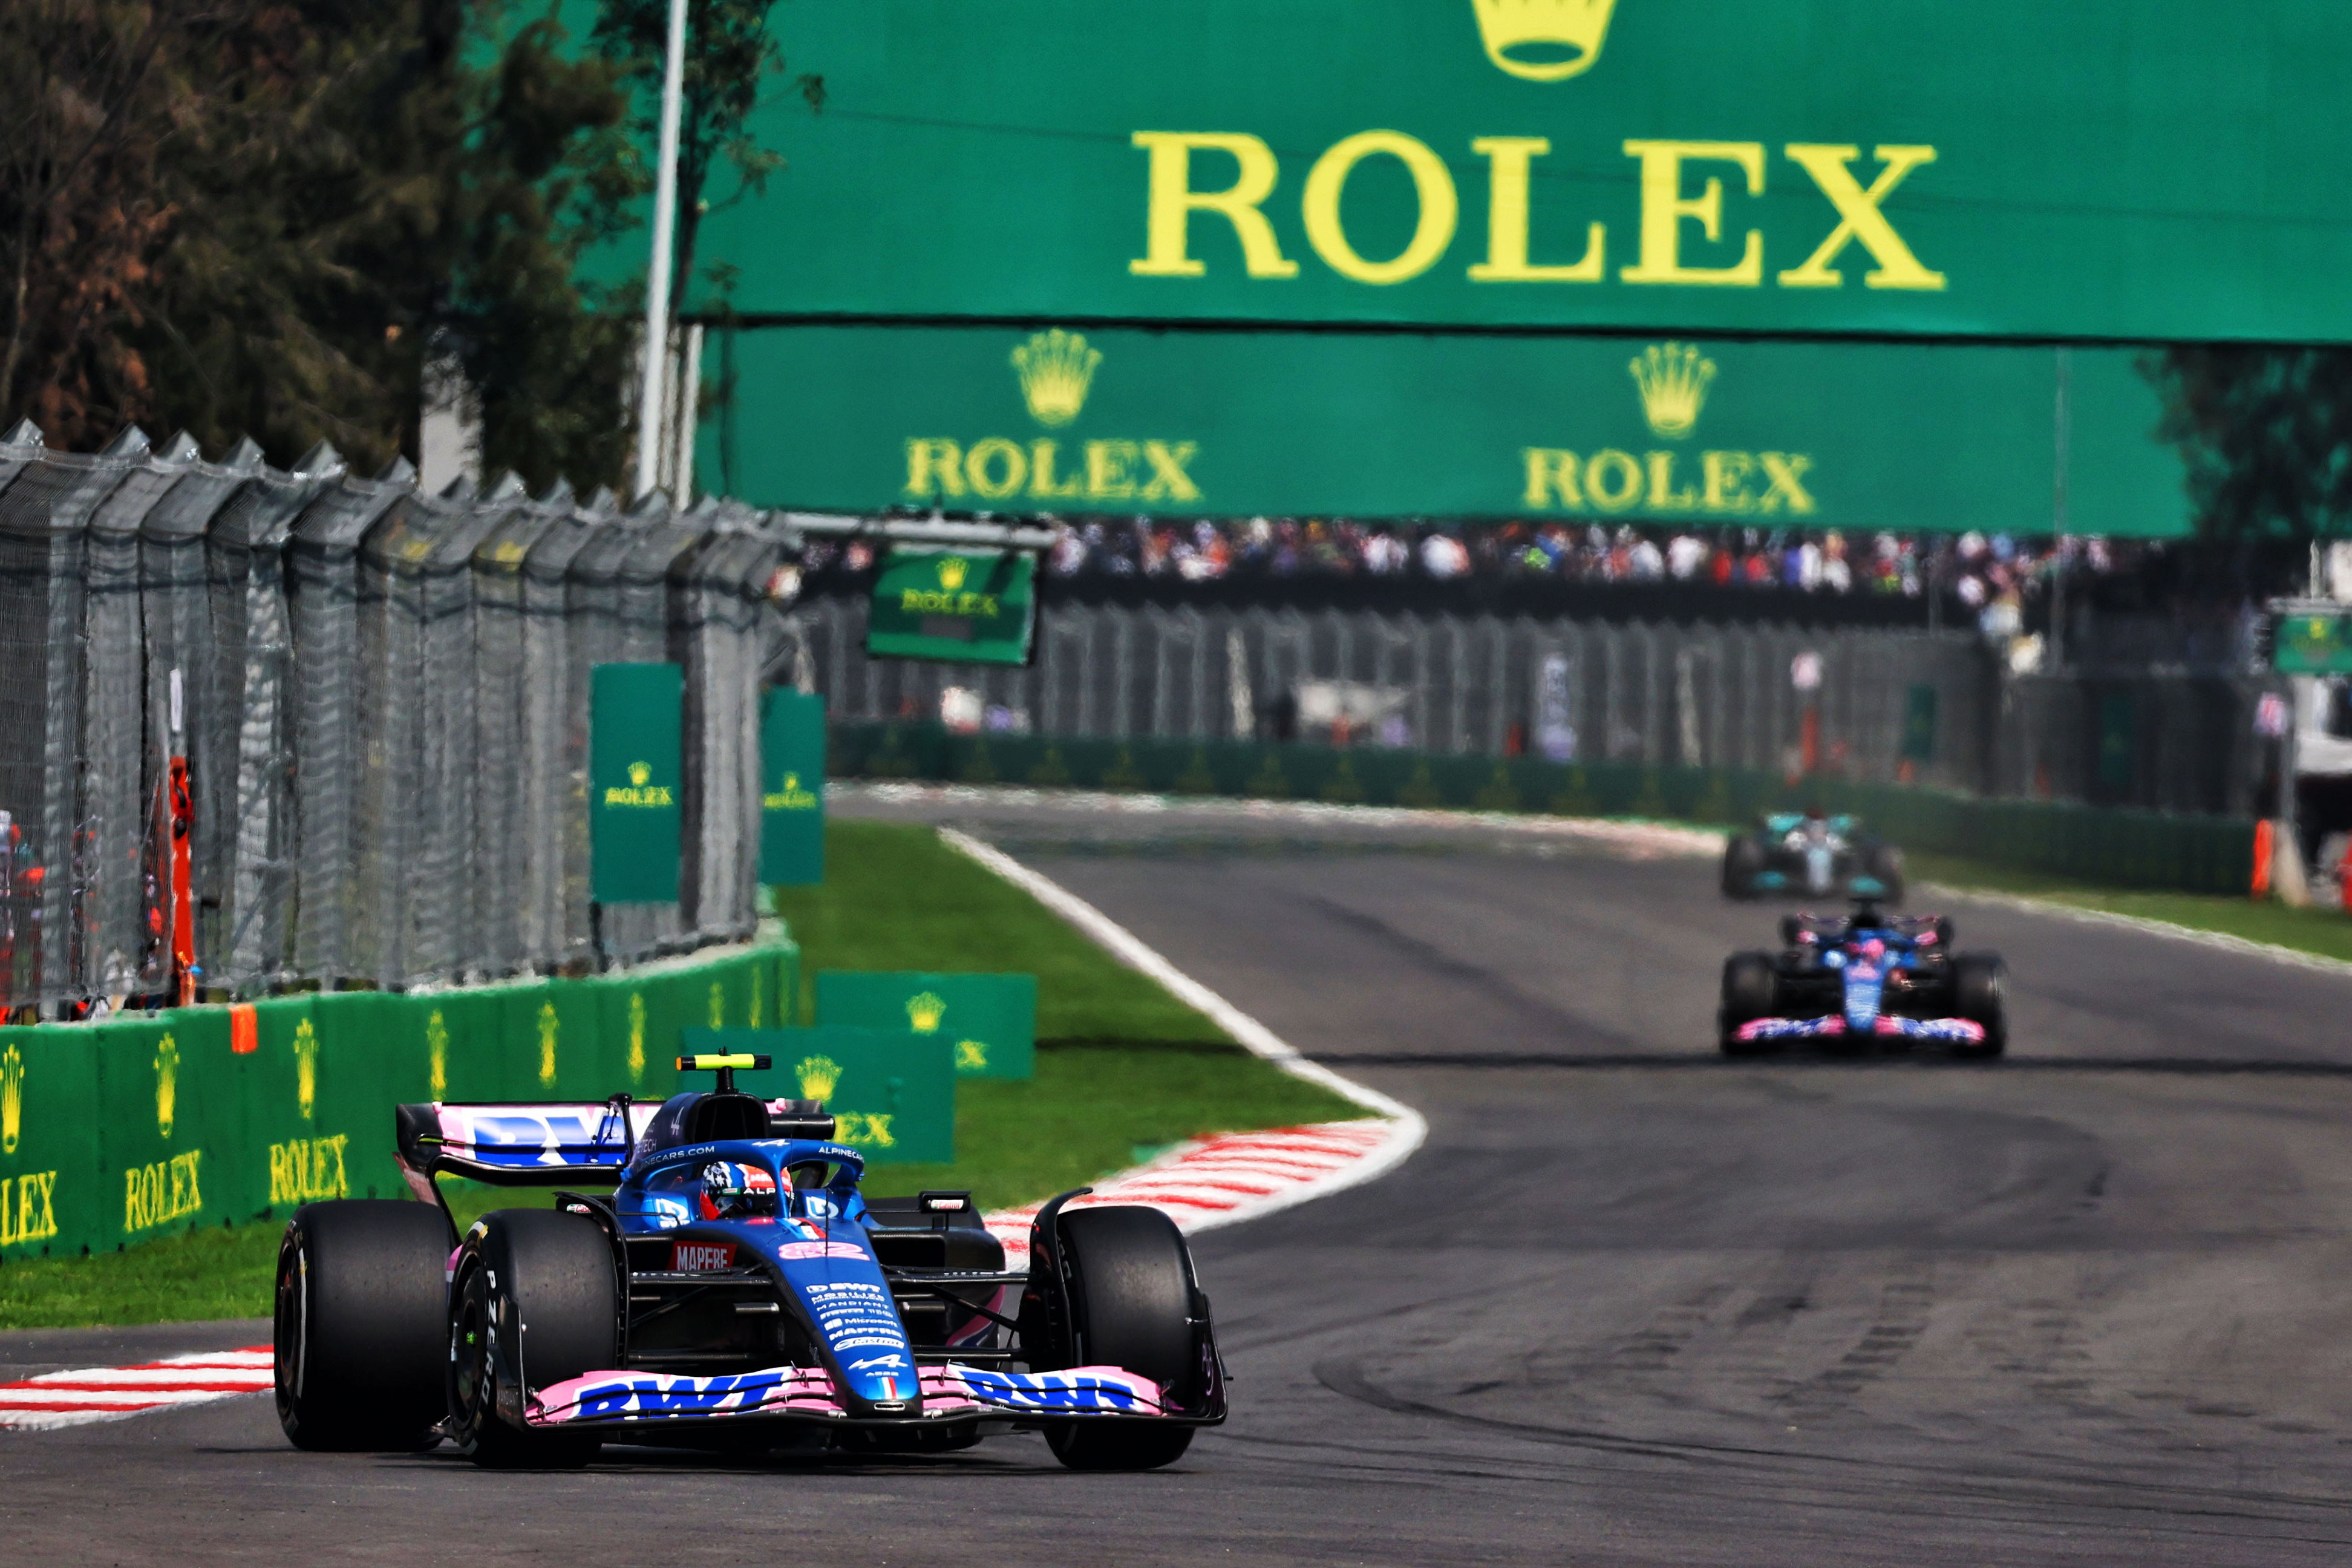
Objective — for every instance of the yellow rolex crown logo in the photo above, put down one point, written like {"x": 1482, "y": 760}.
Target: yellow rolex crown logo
{"x": 306, "y": 1066}
{"x": 12, "y": 1099}
{"x": 1055, "y": 369}
{"x": 924, "y": 1012}
{"x": 639, "y": 772}
{"x": 952, "y": 570}
{"x": 1673, "y": 379}
{"x": 817, "y": 1076}
{"x": 167, "y": 1083}
{"x": 1543, "y": 40}
{"x": 436, "y": 1046}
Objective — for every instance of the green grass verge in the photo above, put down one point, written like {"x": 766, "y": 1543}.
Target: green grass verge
{"x": 894, "y": 897}
{"x": 2326, "y": 932}
{"x": 1124, "y": 1068}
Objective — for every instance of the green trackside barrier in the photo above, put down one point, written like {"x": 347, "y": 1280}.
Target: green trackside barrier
{"x": 53, "y": 1199}
{"x": 990, "y": 1018}
{"x": 2129, "y": 848}
{"x": 892, "y": 1092}
{"x": 116, "y": 1132}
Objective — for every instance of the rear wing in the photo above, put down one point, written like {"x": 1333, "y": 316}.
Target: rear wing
{"x": 520, "y": 1144}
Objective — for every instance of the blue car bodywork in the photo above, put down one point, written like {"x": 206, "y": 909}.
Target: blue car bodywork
{"x": 1870, "y": 976}
{"x": 760, "y": 1289}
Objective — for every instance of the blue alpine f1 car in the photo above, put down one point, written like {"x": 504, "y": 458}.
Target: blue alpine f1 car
{"x": 1861, "y": 980}
{"x": 735, "y": 1291}
{"x": 1812, "y": 854}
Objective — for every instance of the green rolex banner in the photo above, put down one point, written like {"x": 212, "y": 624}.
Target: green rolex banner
{"x": 966, "y": 607}
{"x": 991, "y": 1019}
{"x": 792, "y": 789}
{"x": 55, "y": 1199}
{"x": 2313, "y": 644}
{"x": 892, "y": 1092}
{"x": 636, "y": 781}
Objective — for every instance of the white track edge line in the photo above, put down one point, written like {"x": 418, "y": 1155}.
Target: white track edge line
{"x": 2148, "y": 925}
{"x": 1408, "y": 1129}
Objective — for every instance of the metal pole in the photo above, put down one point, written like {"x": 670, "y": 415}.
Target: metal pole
{"x": 2064, "y": 441}
{"x": 651, "y": 402}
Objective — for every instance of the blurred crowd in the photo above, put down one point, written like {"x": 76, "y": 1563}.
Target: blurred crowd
{"x": 2003, "y": 583}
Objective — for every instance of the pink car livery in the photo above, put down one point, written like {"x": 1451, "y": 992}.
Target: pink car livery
{"x": 1868, "y": 980}
{"x": 733, "y": 1289}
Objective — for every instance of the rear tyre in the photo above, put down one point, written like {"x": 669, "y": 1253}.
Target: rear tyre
{"x": 1981, "y": 995}
{"x": 1129, "y": 1277}
{"x": 1885, "y": 865}
{"x": 356, "y": 1329}
{"x": 1743, "y": 862}
{"x": 536, "y": 1303}
{"x": 1750, "y": 991}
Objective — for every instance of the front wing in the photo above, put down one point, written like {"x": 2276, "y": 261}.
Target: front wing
{"x": 1953, "y": 1031}
{"x": 610, "y": 1399}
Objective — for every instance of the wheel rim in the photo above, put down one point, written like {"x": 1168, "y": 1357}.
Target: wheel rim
{"x": 289, "y": 1340}
{"x": 469, "y": 1355}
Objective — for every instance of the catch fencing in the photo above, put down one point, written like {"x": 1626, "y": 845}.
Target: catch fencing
{"x": 381, "y": 697}
{"x": 1929, "y": 708}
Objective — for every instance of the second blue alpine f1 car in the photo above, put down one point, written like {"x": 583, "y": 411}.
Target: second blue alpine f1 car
{"x": 735, "y": 1291}
{"x": 1861, "y": 980}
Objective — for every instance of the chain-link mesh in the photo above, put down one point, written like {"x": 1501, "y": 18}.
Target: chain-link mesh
{"x": 1689, "y": 694}
{"x": 380, "y": 699}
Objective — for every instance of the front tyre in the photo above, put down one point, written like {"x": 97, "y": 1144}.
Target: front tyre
{"x": 356, "y": 1326}
{"x": 1129, "y": 1277}
{"x": 536, "y": 1303}
{"x": 1744, "y": 861}
{"x": 1751, "y": 990}
{"x": 1981, "y": 995}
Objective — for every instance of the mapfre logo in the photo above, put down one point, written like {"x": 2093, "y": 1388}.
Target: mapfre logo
{"x": 1544, "y": 40}
{"x": 700, "y": 1257}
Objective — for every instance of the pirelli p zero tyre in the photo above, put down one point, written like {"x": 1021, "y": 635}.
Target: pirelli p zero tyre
{"x": 357, "y": 1329}
{"x": 535, "y": 1302}
{"x": 1981, "y": 995}
{"x": 1743, "y": 862}
{"x": 1129, "y": 1277}
{"x": 1750, "y": 990}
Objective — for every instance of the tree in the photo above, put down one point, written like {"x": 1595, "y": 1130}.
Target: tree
{"x": 731, "y": 56}
{"x": 267, "y": 218}
{"x": 87, "y": 93}
{"x": 2266, "y": 434}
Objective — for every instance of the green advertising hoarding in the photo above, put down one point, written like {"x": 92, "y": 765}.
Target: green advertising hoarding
{"x": 960, "y": 606}
{"x": 2312, "y": 644}
{"x": 2160, "y": 169}
{"x": 792, "y": 788}
{"x": 1858, "y": 435}
{"x": 637, "y": 783}
{"x": 891, "y": 1092}
{"x": 992, "y": 1019}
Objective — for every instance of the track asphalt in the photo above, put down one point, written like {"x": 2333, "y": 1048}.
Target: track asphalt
{"x": 1631, "y": 1304}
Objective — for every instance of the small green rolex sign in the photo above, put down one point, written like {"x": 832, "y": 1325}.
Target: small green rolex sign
{"x": 635, "y": 783}
{"x": 891, "y": 1092}
{"x": 2313, "y": 644}
{"x": 962, "y": 606}
{"x": 991, "y": 1019}
{"x": 792, "y": 789}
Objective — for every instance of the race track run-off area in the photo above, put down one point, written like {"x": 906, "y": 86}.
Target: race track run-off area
{"x": 1628, "y": 1303}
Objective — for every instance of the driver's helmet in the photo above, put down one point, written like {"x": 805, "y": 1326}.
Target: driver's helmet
{"x": 730, "y": 1191}
{"x": 1871, "y": 949}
